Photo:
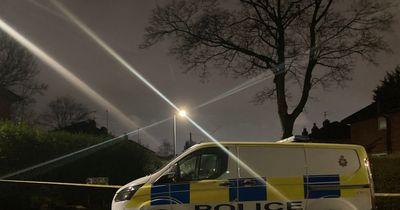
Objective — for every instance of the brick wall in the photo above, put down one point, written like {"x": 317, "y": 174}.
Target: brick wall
{"x": 395, "y": 120}
{"x": 366, "y": 133}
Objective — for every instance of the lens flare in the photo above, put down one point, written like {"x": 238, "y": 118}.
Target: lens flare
{"x": 80, "y": 153}
{"x": 111, "y": 52}
{"x": 118, "y": 58}
{"x": 249, "y": 83}
{"x": 182, "y": 113}
{"x": 240, "y": 162}
{"x": 67, "y": 74}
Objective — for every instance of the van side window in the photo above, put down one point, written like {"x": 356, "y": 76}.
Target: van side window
{"x": 187, "y": 169}
{"x": 209, "y": 166}
{"x": 208, "y": 163}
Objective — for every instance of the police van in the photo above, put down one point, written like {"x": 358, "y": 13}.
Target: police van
{"x": 256, "y": 176}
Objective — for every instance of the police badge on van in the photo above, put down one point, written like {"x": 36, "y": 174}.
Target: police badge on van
{"x": 342, "y": 161}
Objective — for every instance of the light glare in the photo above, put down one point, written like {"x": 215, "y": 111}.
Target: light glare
{"x": 182, "y": 113}
{"x": 67, "y": 74}
{"x": 118, "y": 58}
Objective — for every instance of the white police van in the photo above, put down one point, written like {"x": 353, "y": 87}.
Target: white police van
{"x": 282, "y": 176}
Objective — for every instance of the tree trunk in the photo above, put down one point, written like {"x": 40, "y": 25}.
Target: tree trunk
{"x": 287, "y": 126}
{"x": 287, "y": 121}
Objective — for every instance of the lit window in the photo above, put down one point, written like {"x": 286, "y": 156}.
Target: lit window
{"x": 382, "y": 123}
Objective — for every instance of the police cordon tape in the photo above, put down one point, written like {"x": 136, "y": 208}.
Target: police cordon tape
{"x": 387, "y": 194}
{"x": 119, "y": 186}
{"x": 61, "y": 183}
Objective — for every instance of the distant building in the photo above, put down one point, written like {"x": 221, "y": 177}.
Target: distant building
{"x": 7, "y": 98}
{"x": 87, "y": 127}
{"x": 378, "y": 131}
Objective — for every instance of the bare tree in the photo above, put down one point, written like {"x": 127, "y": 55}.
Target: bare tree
{"x": 165, "y": 149}
{"x": 300, "y": 42}
{"x": 64, "y": 111}
{"x": 17, "y": 73}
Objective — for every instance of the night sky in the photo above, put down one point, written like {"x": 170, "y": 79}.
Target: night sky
{"x": 121, "y": 24}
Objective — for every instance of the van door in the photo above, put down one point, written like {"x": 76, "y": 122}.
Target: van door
{"x": 281, "y": 168}
{"x": 336, "y": 180}
{"x": 203, "y": 180}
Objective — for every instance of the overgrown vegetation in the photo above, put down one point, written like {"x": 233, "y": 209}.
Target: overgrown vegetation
{"x": 387, "y": 93}
{"x": 22, "y": 145}
{"x": 386, "y": 173}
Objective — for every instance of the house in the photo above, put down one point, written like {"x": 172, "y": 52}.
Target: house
{"x": 378, "y": 131}
{"x": 7, "y": 98}
{"x": 87, "y": 127}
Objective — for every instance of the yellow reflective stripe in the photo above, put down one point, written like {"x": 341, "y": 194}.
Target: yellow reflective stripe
{"x": 360, "y": 177}
{"x": 60, "y": 183}
{"x": 282, "y": 188}
{"x": 209, "y": 191}
{"x": 141, "y": 197}
{"x": 357, "y": 179}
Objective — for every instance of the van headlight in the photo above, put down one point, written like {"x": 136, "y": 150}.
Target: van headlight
{"x": 126, "y": 193}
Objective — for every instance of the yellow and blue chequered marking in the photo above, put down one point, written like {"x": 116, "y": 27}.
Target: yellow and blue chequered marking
{"x": 180, "y": 192}
{"x": 170, "y": 194}
{"x": 249, "y": 189}
{"x": 239, "y": 191}
{"x": 160, "y": 195}
{"x": 331, "y": 181}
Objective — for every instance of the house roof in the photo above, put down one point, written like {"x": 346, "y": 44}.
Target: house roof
{"x": 368, "y": 112}
{"x": 9, "y": 95}
{"x": 331, "y": 130}
{"x": 365, "y": 113}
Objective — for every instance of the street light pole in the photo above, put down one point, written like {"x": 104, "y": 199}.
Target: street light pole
{"x": 190, "y": 139}
{"x": 182, "y": 113}
{"x": 174, "y": 134}
{"x": 107, "y": 119}
{"x": 138, "y": 136}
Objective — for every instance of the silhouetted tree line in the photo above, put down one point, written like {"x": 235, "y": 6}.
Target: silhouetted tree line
{"x": 387, "y": 94}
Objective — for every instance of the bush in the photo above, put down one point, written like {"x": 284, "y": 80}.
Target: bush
{"x": 22, "y": 145}
{"x": 386, "y": 173}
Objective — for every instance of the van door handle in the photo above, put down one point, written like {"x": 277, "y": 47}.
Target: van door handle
{"x": 249, "y": 182}
{"x": 225, "y": 184}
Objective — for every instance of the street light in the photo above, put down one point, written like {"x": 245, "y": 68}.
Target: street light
{"x": 183, "y": 114}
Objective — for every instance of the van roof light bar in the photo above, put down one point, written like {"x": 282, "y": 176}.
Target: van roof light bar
{"x": 293, "y": 139}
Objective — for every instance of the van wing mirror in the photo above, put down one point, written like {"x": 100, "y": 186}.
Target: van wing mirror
{"x": 169, "y": 177}
{"x": 173, "y": 174}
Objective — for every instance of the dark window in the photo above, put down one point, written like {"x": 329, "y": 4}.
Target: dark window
{"x": 187, "y": 168}
{"x": 208, "y": 163}
{"x": 209, "y": 166}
